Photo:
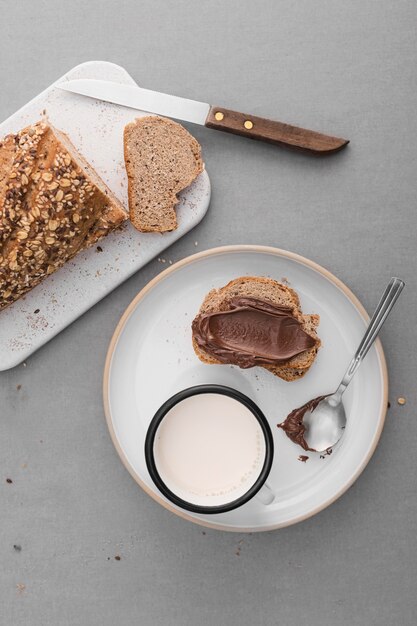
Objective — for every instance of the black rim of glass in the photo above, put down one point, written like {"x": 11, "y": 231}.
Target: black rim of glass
{"x": 159, "y": 416}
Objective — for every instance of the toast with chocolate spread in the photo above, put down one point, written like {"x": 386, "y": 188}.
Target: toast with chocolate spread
{"x": 256, "y": 321}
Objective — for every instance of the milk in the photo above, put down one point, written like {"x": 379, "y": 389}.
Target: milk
{"x": 209, "y": 449}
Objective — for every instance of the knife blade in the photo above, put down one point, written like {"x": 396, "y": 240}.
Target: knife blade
{"x": 214, "y": 117}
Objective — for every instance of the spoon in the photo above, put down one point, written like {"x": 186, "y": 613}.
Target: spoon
{"x": 325, "y": 423}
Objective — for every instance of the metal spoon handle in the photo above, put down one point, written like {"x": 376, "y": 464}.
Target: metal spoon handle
{"x": 389, "y": 298}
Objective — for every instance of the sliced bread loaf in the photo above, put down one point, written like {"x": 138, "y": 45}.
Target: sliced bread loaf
{"x": 162, "y": 159}
{"x": 268, "y": 290}
{"x": 52, "y": 205}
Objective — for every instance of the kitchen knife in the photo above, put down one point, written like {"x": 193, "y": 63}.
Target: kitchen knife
{"x": 214, "y": 117}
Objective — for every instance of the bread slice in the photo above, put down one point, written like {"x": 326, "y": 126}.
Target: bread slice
{"x": 52, "y": 205}
{"x": 277, "y": 293}
{"x": 162, "y": 159}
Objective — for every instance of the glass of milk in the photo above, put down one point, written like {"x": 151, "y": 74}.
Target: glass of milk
{"x": 209, "y": 449}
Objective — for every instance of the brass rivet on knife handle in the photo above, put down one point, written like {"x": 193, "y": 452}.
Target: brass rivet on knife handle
{"x": 273, "y": 132}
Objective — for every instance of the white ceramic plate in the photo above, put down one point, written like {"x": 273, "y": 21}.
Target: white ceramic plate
{"x": 151, "y": 357}
{"x": 96, "y": 129}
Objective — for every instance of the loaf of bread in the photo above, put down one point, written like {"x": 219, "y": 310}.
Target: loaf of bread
{"x": 162, "y": 159}
{"x": 268, "y": 290}
{"x": 52, "y": 205}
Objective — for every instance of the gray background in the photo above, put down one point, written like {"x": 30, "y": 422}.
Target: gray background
{"x": 348, "y": 68}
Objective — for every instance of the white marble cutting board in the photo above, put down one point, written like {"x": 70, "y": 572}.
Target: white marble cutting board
{"x": 96, "y": 129}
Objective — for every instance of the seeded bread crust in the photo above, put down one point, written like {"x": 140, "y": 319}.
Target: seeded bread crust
{"x": 161, "y": 159}
{"x": 52, "y": 206}
{"x": 277, "y": 293}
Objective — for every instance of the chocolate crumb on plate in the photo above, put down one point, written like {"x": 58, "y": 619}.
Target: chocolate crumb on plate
{"x": 117, "y": 557}
{"x": 327, "y": 452}
{"x": 36, "y": 311}
{"x": 17, "y": 547}
{"x": 18, "y": 387}
{"x": 303, "y": 458}
{"x": 9, "y": 480}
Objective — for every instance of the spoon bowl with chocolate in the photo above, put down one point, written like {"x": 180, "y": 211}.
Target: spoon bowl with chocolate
{"x": 319, "y": 424}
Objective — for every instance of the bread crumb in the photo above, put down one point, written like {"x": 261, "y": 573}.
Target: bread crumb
{"x": 196, "y": 243}
{"x": 24, "y": 364}
{"x": 401, "y": 401}
{"x": 20, "y": 587}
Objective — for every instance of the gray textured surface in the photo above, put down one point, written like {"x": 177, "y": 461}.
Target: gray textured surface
{"x": 342, "y": 67}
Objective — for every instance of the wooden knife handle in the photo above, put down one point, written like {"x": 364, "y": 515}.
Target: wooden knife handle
{"x": 273, "y": 132}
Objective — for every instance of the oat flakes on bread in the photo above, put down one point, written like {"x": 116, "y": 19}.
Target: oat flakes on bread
{"x": 52, "y": 205}
{"x": 161, "y": 159}
{"x": 268, "y": 290}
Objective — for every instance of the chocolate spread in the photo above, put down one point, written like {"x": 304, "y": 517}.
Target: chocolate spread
{"x": 293, "y": 425}
{"x": 252, "y": 332}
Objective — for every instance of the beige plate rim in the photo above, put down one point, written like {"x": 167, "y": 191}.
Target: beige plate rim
{"x": 170, "y": 270}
